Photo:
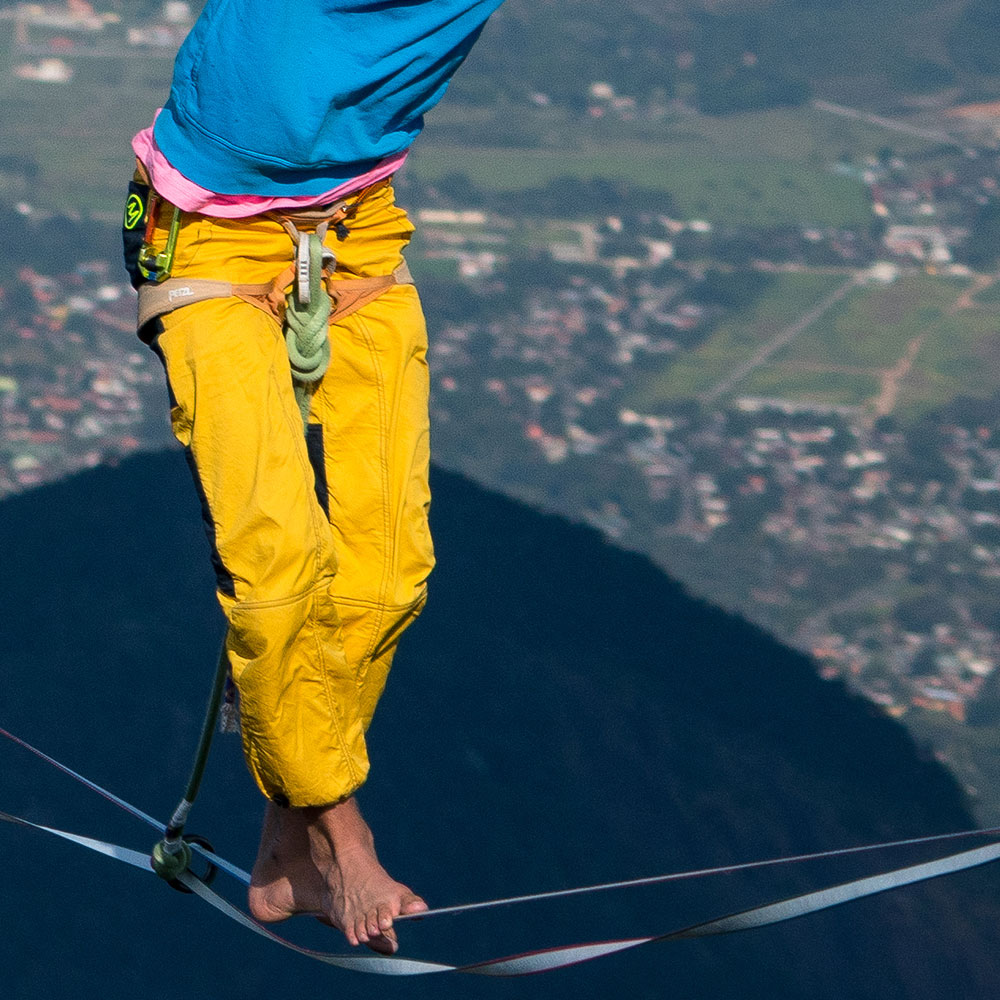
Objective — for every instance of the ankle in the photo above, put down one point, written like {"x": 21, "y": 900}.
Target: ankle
{"x": 342, "y": 827}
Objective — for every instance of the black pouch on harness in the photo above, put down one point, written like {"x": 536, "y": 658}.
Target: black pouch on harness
{"x": 134, "y": 229}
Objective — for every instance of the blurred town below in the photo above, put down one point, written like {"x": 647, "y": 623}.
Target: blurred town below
{"x": 743, "y": 320}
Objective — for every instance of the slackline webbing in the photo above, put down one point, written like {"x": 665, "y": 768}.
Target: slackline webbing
{"x": 132, "y": 810}
{"x": 546, "y": 959}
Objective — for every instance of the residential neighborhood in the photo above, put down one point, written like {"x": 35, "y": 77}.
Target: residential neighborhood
{"x": 76, "y": 388}
{"x": 795, "y": 417}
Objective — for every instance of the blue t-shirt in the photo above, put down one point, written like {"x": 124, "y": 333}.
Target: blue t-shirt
{"x": 292, "y": 97}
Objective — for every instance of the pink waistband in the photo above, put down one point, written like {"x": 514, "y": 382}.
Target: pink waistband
{"x": 191, "y": 197}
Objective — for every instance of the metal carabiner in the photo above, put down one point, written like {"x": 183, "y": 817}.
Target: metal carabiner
{"x": 170, "y": 860}
{"x": 156, "y": 266}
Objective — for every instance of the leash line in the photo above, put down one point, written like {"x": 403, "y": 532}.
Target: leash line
{"x": 86, "y": 782}
{"x": 172, "y": 855}
{"x": 238, "y": 873}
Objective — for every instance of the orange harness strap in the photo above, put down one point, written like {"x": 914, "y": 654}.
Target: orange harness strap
{"x": 347, "y": 294}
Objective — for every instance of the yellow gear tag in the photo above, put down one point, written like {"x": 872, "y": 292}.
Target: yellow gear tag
{"x": 135, "y": 211}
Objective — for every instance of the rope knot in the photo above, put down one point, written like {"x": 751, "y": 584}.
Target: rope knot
{"x": 307, "y": 317}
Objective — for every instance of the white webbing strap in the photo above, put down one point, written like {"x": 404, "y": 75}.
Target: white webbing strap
{"x": 823, "y": 899}
{"x": 547, "y": 959}
{"x": 377, "y": 964}
{"x": 759, "y": 916}
{"x": 124, "y": 854}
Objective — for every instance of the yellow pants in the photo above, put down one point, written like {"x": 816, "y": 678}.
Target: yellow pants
{"x": 321, "y": 543}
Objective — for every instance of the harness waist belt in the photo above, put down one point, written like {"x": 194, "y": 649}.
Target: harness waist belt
{"x": 347, "y": 295}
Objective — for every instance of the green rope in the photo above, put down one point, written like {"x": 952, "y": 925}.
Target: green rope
{"x": 307, "y": 333}
{"x": 208, "y": 726}
{"x": 171, "y": 855}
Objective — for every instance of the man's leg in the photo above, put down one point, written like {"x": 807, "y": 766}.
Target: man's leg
{"x": 233, "y": 408}
{"x": 372, "y": 448}
{"x": 368, "y": 444}
{"x": 302, "y": 727}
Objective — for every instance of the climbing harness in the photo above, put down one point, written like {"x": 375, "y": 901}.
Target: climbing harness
{"x": 305, "y": 298}
{"x": 542, "y": 960}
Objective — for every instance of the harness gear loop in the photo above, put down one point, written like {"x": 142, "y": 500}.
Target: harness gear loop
{"x": 307, "y": 314}
{"x": 162, "y": 294}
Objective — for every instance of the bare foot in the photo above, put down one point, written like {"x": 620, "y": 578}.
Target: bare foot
{"x": 284, "y": 881}
{"x": 322, "y": 862}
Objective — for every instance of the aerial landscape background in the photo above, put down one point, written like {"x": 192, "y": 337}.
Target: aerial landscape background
{"x": 715, "y": 282}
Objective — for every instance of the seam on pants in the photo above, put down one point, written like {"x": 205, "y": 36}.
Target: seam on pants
{"x": 305, "y": 467}
{"x": 332, "y": 703}
{"x": 357, "y": 602}
{"x": 387, "y": 533}
{"x": 279, "y": 602}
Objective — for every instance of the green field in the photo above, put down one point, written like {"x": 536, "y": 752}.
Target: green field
{"x": 753, "y": 191}
{"x": 825, "y": 388}
{"x": 801, "y": 135}
{"x": 735, "y": 340}
{"x": 989, "y": 296}
{"x": 843, "y": 358}
{"x": 959, "y": 357}
{"x": 871, "y": 330}
{"x": 959, "y": 352}
{"x": 79, "y": 135}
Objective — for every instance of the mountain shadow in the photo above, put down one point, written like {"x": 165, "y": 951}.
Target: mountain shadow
{"x": 563, "y": 714}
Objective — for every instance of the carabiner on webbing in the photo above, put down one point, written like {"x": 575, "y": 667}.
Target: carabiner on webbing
{"x": 170, "y": 859}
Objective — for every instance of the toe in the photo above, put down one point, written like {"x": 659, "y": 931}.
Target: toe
{"x": 385, "y": 915}
{"x": 385, "y": 943}
{"x": 412, "y": 903}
